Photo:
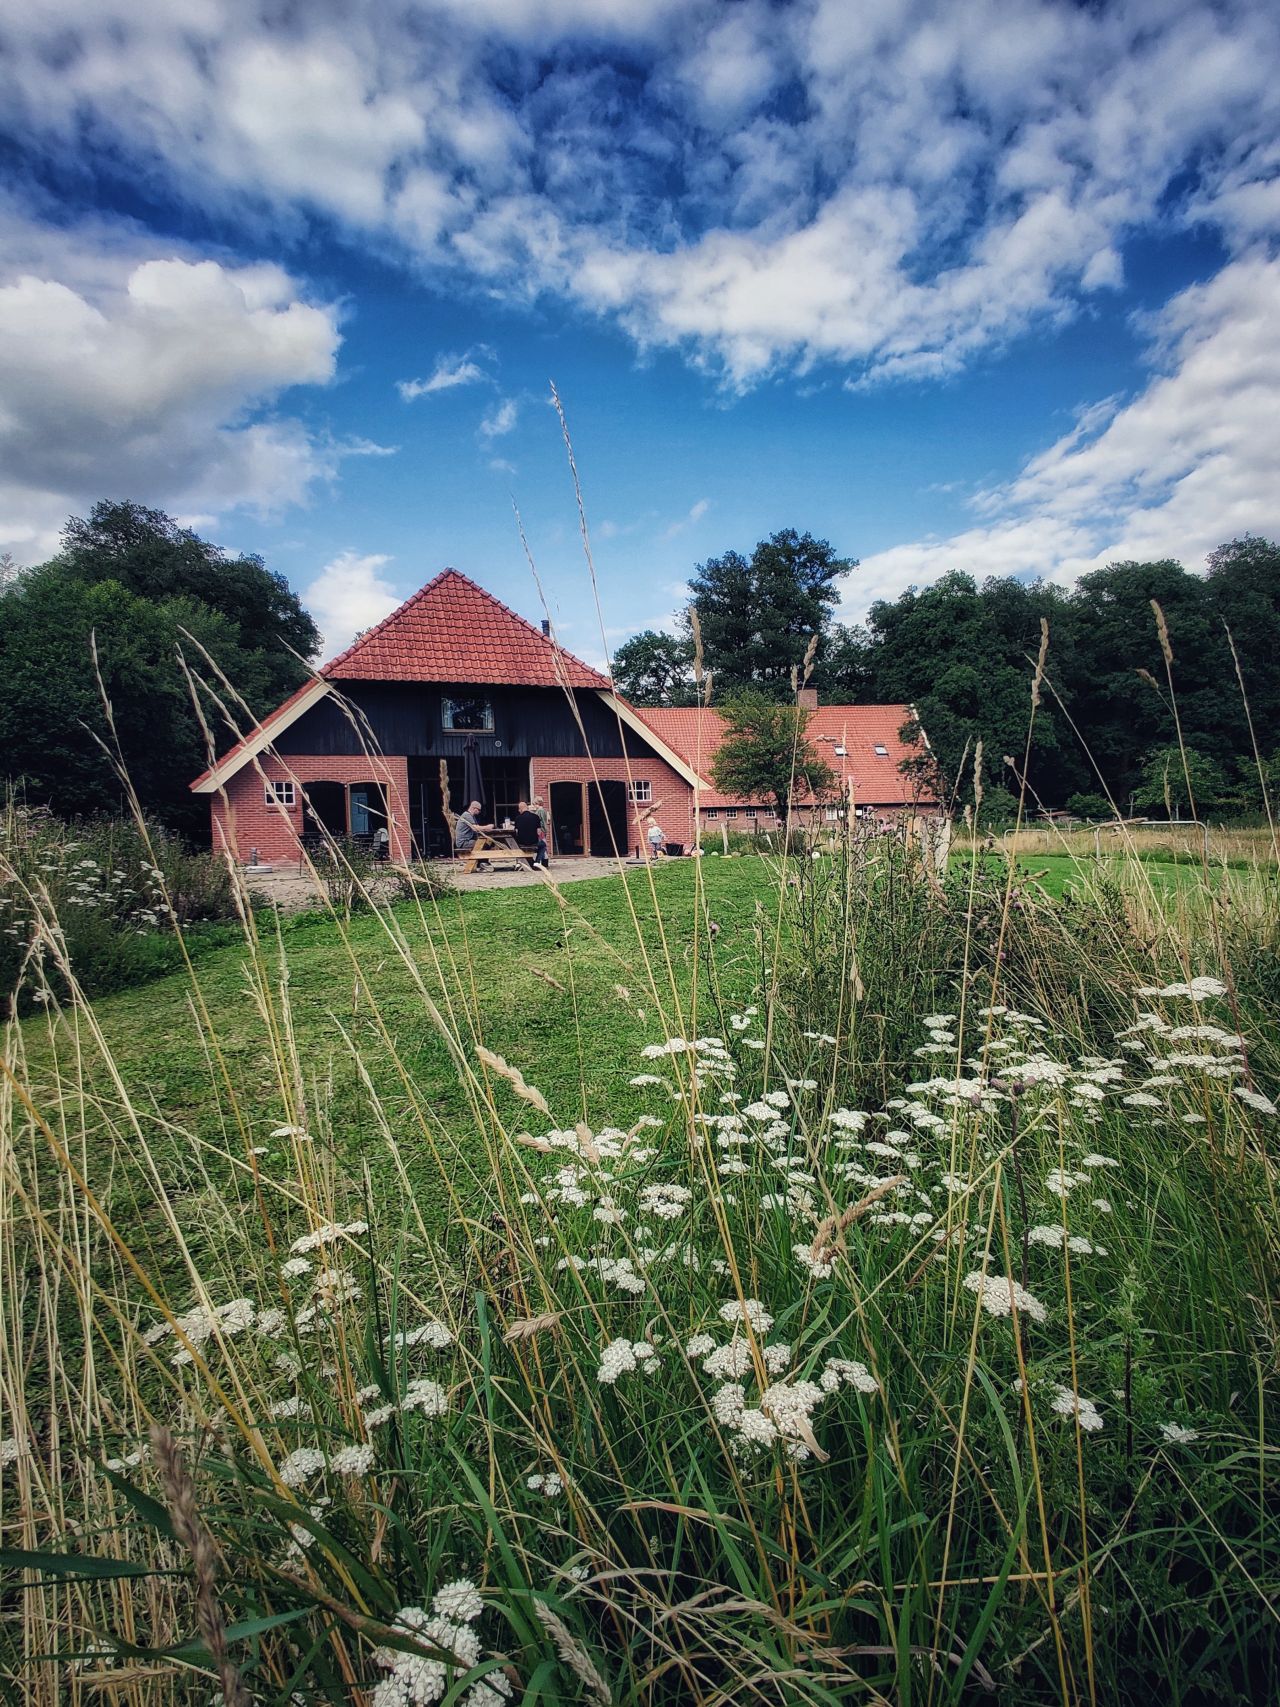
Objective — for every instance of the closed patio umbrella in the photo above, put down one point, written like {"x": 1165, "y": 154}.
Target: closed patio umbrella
{"x": 472, "y": 781}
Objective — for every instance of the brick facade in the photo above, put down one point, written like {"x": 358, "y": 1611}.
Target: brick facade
{"x": 671, "y": 806}
{"x": 245, "y": 820}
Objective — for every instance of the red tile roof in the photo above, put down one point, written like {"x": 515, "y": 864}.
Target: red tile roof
{"x": 453, "y": 631}
{"x": 696, "y": 732}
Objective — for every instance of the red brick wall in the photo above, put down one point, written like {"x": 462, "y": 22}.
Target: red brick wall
{"x": 245, "y": 821}
{"x": 672, "y": 803}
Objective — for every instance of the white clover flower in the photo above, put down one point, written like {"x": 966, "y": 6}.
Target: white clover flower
{"x": 353, "y": 1460}
{"x": 1069, "y": 1404}
{"x": 999, "y": 1295}
{"x": 429, "y": 1397}
{"x": 300, "y": 1466}
{"x": 1177, "y": 1435}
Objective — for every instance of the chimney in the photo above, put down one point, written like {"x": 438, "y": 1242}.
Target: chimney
{"x": 546, "y": 626}
{"x": 807, "y": 699}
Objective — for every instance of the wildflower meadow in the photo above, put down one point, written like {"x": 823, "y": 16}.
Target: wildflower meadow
{"x": 804, "y": 1278}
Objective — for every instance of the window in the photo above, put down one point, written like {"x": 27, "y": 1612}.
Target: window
{"x": 280, "y": 794}
{"x": 640, "y": 791}
{"x": 712, "y": 812}
{"x": 834, "y": 814}
{"x": 466, "y": 712}
{"x": 881, "y": 752}
{"x": 751, "y": 812}
{"x": 731, "y": 812}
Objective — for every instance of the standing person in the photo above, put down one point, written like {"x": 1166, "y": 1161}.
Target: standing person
{"x": 467, "y": 828}
{"x": 529, "y": 835}
{"x": 545, "y": 819}
{"x": 657, "y": 840}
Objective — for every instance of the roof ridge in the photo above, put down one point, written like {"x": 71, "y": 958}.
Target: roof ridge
{"x": 545, "y": 637}
{"x": 369, "y": 633}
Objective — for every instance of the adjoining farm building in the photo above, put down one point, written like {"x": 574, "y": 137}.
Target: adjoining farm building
{"x": 453, "y": 675}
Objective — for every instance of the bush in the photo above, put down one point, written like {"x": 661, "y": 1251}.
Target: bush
{"x": 117, "y": 896}
{"x": 1090, "y": 806}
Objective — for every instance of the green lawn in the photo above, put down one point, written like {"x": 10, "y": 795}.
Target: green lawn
{"x": 545, "y": 979}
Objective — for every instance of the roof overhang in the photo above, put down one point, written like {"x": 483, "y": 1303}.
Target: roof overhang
{"x": 639, "y": 727}
{"x": 217, "y": 776}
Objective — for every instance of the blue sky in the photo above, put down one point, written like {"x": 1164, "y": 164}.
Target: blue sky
{"x": 990, "y": 286}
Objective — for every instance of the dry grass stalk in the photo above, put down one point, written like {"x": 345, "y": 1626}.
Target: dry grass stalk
{"x": 515, "y": 1078}
{"x": 573, "y": 1654}
{"x": 827, "y": 1239}
{"x": 180, "y": 1499}
{"x": 526, "y": 1327}
{"x": 547, "y": 978}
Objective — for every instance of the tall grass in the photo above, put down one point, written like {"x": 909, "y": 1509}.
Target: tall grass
{"x": 917, "y": 1342}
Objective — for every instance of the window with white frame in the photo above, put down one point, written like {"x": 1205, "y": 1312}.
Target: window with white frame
{"x": 751, "y": 812}
{"x": 280, "y": 794}
{"x": 640, "y": 791}
{"x": 731, "y": 812}
{"x": 881, "y": 752}
{"x": 712, "y": 812}
{"x": 833, "y": 814}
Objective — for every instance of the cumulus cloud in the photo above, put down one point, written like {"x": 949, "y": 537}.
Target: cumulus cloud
{"x": 1190, "y": 461}
{"x": 151, "y": 378}
{"x": 449, "y": 372}
{"x": 347, "y": 596}
{"x": 892, "y": 188}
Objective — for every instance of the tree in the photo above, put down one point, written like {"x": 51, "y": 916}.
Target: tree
{"x": 758, "y": 615}
{"x": 133, "y": 579}
{"x": 655, "y": 669}
{"x": 1184, "y": 785}
{"x": 765, "y": 754}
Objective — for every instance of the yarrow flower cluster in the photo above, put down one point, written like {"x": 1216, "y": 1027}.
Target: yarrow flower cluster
{"x": 416, "y": 1678}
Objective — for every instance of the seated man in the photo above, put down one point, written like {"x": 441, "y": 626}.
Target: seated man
{"x": 529, "y": 836}
{"x": 466, "y": 830}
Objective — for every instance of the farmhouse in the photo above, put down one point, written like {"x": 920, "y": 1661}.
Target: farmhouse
{"x": 455, "y": 678}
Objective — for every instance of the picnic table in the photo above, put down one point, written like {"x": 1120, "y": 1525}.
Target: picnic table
{"x": 489, "y": 842}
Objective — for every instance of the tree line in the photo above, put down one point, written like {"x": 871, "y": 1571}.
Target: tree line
{"x": 963, "y": 653}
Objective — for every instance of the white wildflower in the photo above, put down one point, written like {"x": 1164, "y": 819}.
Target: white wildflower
{"x": 1177, "y": 1435}
{"x": 1254, "y": 1099}
{"x": 429, "y": 1397}
{"x": 700, "y": 1345}
{"x": 747, "y": 1310}
{"x": 295, "y": 1268}
{"x": 847, "y": 1372}
{"x": 458, "y": 1601}
{"x": 1069, "y": 1404}
{"x": 300, "y": 1466}
{"x": 999, "y": 1295}
{"x": 353, "y": 1460}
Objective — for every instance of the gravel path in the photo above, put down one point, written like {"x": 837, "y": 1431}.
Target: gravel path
{"x": 291, "y": 892}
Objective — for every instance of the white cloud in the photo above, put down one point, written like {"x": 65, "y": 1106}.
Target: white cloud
{"x": 148, "y": 377}
{"x": 894, "y": 188}
{"x": 449, "y": 372}
{"x": 500, "y": 420}
{"x": 1192, "y": 461}
{"x": 695, "y": 515}
{"x": 348, "y": 596}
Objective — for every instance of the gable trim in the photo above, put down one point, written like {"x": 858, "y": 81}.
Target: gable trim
{"x": 260, "y": 738}
{"x": 651, "y": 738}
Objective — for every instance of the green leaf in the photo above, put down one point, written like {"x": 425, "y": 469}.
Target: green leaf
{"x": 73, "y": 1565}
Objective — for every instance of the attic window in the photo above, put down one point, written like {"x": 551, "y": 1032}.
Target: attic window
{"x": 841, "y": 751}
{"x": 467, "y": 712}
{"x": 881, "y": 752}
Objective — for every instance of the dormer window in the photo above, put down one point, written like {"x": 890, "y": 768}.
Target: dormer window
{"x": 466, "y": 713}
